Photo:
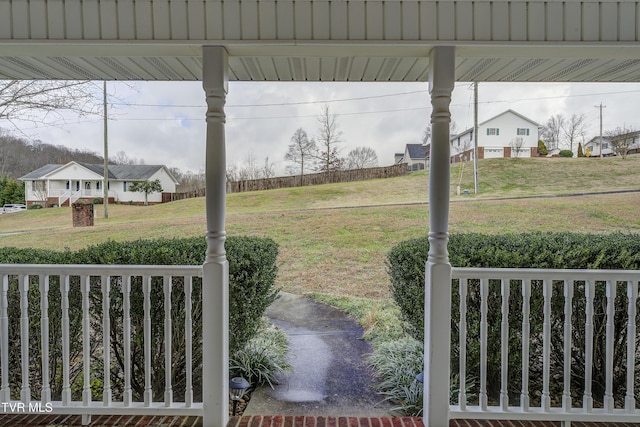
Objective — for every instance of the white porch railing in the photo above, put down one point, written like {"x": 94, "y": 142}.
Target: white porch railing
{"x": 572, "y": 354}
{"x": 73, "y": 196}
{"x": 82, "y": 371}
{"x": 63, "y": 197}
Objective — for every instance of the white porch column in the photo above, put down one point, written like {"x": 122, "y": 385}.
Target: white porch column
{"x": 437, "y": 322}
{"x": 215, "y": 284}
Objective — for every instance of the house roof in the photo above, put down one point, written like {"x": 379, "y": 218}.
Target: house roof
{"x": 493, "y": 118}
{"x": 320, "y": 40}
{"x": 116, "y": 172}
{"x": 416, "y": 151}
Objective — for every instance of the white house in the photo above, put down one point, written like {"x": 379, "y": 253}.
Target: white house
{"x": 416, "y": 156}
{"x": 509, "y": 134}
{"x": 64, "y": 184}
{"x": 594, "y": 147}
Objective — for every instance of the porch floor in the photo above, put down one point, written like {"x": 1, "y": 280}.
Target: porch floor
{"x": 11, "y": 420}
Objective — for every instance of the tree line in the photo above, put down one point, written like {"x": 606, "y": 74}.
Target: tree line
{"x": 306, "y": 154}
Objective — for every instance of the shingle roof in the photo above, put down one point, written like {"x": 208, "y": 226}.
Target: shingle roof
{"x": 119, "y": 172}
{"x": 40, "y": 172}
{"x": 417, "y": 151}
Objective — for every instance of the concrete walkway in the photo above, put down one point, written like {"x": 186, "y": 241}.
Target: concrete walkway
{"x": 329, "y": 376}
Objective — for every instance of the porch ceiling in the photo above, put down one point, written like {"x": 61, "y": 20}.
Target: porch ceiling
{"x": 340, "y": 62}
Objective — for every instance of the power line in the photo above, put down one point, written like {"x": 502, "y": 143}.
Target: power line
{"x": 363, "y": 98}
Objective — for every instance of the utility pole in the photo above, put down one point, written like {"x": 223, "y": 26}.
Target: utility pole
{"x": 475, "y": 138}
{"x": 601, "y": 107}
{"x": 105, "y": 183}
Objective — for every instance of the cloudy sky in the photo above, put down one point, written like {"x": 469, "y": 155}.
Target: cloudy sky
{"x": 163, "y": 123}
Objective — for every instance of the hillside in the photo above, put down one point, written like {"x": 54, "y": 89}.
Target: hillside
{"x": 334, "y": 238}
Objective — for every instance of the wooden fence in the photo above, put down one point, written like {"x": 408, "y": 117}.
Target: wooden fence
{"x": 317, "y": 178}
{"x": 297, "y": 181}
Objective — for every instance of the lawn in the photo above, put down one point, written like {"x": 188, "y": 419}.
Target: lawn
{"x": 334, "y": 238}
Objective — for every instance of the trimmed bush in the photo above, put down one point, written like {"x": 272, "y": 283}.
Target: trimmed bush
{"x": 531, "y": 250}
{"x": 565, "y": 153}
{"x": 252, "y": 274}
{"x": 542, "y": 148}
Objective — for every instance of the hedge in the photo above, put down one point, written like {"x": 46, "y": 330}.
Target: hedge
{"x": 252, "y": 274}
{"x": 406, "y": 264}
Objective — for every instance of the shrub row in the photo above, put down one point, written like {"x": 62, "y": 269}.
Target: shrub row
{"x": 406, "y": 264}
{"x": 252, "y": 274}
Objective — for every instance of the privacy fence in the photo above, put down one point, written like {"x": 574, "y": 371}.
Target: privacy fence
{"x": 298, "y": 181}
{"x": 317, "y": 178}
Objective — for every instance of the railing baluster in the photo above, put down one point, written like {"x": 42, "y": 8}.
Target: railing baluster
{"x": 106, "y": 339}
{"x": 462, "y": 327}
{"x": 526, "y": 326}
{"x": 188, "y": 288}
{"x": 25, "y": 392}
{"x": 86, "y": 343}
{"x": 45, "y": 395}
{"x": 64, "y": 302}
{"x": 568, "y": 298}
{"x": 547, "y": 292}
{"x": 504, "y": 345}
{"x": 146, "y": 290}
{"x": 126, "y": 313}
{"x": 587, "y": 400}
{"x": 484, "y": 294}
{"x": 5, "y": 392}
{"x": 610, "y": 328}
{"x": 168, "y": 390}
{"x": 632, "y": 295}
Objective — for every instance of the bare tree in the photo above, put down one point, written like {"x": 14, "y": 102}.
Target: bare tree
{"x": 27, "y": 100}
{"x": 268, "y": 170}
{"x": 552, "y": 131}
{"x": 361, "y": 158}
{"x": 574, "y": 128}
{"x": 301, "y": 151}
{"x": 328, "y": 138}
{"x": 251, "y": 170}
{"x": 621, "y": 139}
{"x": 121, "y": 158}
{"x": 517, "y": 146}
{"x": 189, "y": 181}
{"x": 39, "y": 191}
{"x": 426, "y": 136}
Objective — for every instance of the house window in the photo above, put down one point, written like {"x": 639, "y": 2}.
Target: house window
{"x": 97, "y": 185}
{"x": 605, "y": 145}
{"x": 522, "y": 131}
{"x": 125, "y": 186}
{"x": 493, "y": 131}
{"x": 68, "y": 185}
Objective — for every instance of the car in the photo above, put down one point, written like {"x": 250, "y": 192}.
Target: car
{"x": 13, "y": 207}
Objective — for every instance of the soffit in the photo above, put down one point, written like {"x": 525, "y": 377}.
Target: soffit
{"x": 320, "y": 40}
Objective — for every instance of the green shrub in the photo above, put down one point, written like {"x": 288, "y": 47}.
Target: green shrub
{"x": 262, "y": 358}
{"x": 565, "y": 153}
{"x": 396, "y": 364}
{"x": 580, "y": 150}
{"x": 531, "y": 250}
{"x": 542, "y": 148}
{"x": 252, "y": 273}
{"x": 35, "y": 206}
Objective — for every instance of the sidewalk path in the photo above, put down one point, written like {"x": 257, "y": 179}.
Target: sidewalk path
{"x": 329, "y": 376}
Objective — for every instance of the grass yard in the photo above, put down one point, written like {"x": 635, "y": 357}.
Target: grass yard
{"x": 334, "y": 238}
